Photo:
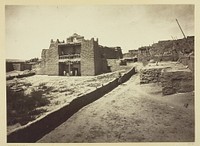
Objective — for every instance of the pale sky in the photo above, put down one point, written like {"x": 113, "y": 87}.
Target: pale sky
{"x": 29, "y": 29}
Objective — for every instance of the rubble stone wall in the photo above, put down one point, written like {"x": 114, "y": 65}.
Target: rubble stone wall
{"x": 176, "y": 81}
{"x": 150, "y": 75}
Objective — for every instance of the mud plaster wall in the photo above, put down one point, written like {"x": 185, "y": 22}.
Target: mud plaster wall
{"x": 98, "y": 62}
{"x": 69, "y": 49}
{"x": 130, "y": 54}
{"x": 111, "y": 52}
{"x": 52, "y": 67}
{"x": 114, "y": 64}
{"x": 87, "y": 58}
{"x": 9, "y": 67}
{"x": 143, "y": 54}
{"x": 42, "y": 68}
{"x": 19, "y": 66}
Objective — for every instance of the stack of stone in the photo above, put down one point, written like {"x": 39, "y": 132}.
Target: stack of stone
{"x": 151, "y": 74}
{"x": 176, "y": 81}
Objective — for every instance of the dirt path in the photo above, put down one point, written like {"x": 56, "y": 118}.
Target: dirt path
{"x": 130, "y": 113}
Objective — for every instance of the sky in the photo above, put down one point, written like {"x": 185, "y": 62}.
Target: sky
{"x": 29, "y": 29}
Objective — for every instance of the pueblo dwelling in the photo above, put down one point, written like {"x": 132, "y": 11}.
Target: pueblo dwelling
{"x": 79, "y": 57}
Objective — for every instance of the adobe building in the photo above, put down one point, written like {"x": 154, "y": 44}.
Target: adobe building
{"x": 78, "y": 57}
{"x": 167, "y": 50}
{"x": 131, "y": 56}
{"x": 17, "y": 64}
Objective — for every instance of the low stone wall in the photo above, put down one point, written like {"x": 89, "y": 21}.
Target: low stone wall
{"x": 150, "y": 74}
{"x": 38, "y": 128}
{"x": 176, "y": 81}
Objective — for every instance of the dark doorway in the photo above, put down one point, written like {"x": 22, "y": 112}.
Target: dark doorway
{"x": 74, "y": 71}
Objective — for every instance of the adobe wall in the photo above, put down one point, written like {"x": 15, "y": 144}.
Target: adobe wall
{"x": 42, "y": 66}
{"x": 100, "y": 66}
{"x": 112, "y": 52}
{"x": 69, "y": 49}
{"x": 18, "y": 66}
{"x": 143, "y": 54}
{"x": 87, "y": 58}
{"x": 131, "y": 54}
{"x": 114, "y": 64}
{"x": 49, "y": 63}
{"x": 52, "y": 67}
{"x": 9, "y": 66}
{"x": 169, "y": 50}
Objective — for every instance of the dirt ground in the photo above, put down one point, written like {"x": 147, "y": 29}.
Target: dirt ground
{"x": 61, "y": 89}
{"x": 130, "y": 113}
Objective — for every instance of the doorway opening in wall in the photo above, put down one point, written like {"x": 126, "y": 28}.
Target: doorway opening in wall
{"x": 69, "y": 69}
{"x": 74, "y": 72}
{"x": 109, "y": 68}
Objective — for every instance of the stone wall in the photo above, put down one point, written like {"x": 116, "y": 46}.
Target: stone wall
{"x": 176, "y": 81}
{"x": 151, "y": 74}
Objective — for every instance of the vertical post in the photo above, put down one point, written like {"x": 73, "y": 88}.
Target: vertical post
{"x": 180, "y": 28}
{"x": 69, "y": 69}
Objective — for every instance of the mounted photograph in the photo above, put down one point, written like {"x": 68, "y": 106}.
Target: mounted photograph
{"x": 100, "y": 73}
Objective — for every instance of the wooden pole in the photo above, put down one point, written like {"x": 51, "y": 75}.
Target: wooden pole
{"x": 180, "y": 28}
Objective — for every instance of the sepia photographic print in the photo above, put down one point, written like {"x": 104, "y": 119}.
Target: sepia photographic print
{"x": 100, "y": 73}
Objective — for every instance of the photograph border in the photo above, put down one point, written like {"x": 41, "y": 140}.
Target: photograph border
{"x": 3, "y": 129}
